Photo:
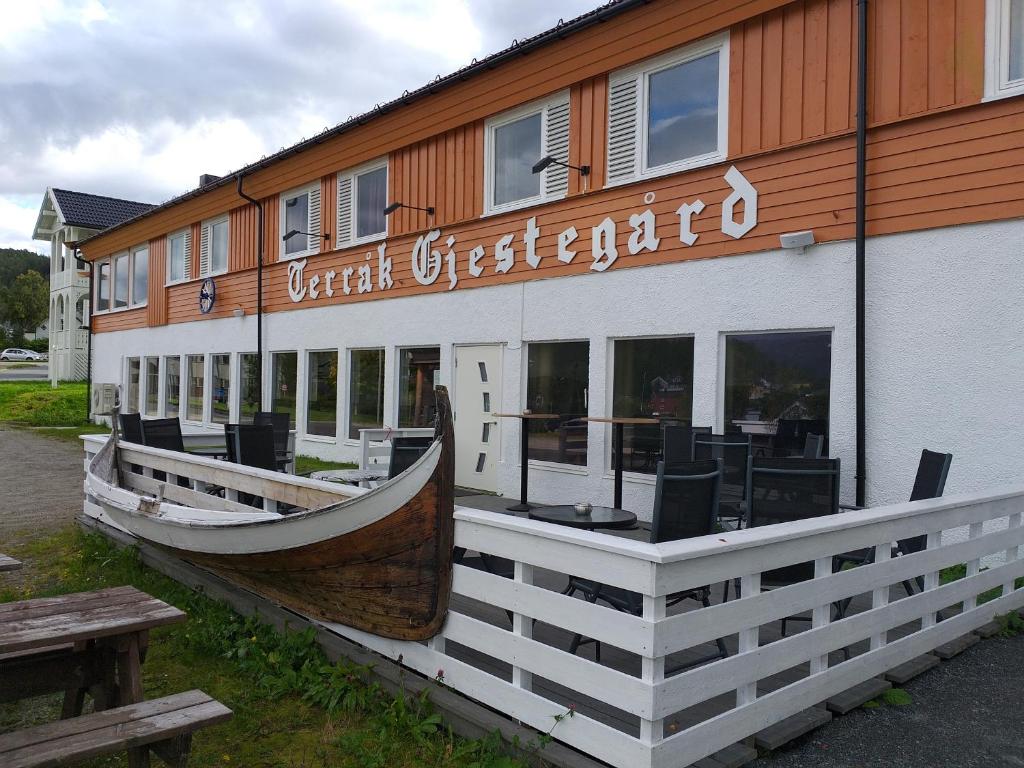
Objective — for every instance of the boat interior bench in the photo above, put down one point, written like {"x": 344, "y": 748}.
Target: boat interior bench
{"x": 164, "y": 726}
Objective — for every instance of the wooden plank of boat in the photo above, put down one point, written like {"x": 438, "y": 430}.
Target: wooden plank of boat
{"x": 380, "y": 562}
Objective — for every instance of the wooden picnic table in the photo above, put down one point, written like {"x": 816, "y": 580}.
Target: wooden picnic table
{"x": 93, "y": 641}
{"x": 8, "y": 563}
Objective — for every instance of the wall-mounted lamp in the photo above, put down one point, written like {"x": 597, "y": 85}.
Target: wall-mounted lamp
{"x": 238, "y": 312}
{"x": 293, "y": 232}
{"x": 797, "y": 242}
{"x": 544, "y": 162}
{"x": 395, "y": 206}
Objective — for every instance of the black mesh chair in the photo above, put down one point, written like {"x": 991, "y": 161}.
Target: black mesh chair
{"x": 734, "y": 451}
{"x": 406, "y": 451}
{"x": 254, "y": 446}
{"x": 686, "y": 499}
{"x": 677, "y": 442}
{"x": 791, "y": 435}
{"x": 814, "y": 446}
{"x": 231, "y": 442}
{"x": 131, "y": 427}
{"x": 163, "y": 433}
{"x": 281, "y": 422}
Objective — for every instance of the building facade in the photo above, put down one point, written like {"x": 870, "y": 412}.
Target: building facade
{"x": 65, "y": 218}
{"x": 644, "y": 272}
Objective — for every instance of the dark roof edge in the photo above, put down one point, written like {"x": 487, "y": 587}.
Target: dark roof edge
{"x": 561, "y": 30}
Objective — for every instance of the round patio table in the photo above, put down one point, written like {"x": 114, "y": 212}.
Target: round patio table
{"x": 598, "y": 517}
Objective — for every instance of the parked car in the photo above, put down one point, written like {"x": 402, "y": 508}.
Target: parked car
{"x": 14, "y": 353}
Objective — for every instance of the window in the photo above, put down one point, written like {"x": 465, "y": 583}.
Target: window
{"x": 557, "y": 382}
{"x": 1004, "y": 43}
{"x": 179, "y": 256}
{"x": 103, "y": 286}
{"x": 213, "y": 247}
{"x": 140, "y": 275}
{"x": 653, "y": 378}
{"x": 283, "y": 376}
{"x": 172, "y": 385}
{"x": 419, "y": 369}
{"x": 365, "y": 391}
{"x": 248, "y": 386}
{"x": 132, "y": 398}
{"x": 362, "y": 197}
{"x": 120, "y": 281}
{"x": 220, "y": 389}
{"x": 152, "y": 386}
{"x": 515, "y": 141}
{"x": 300, "y": 211}
{"x": 669, "y": 114}
{"x": 196, "y": 372}
{"x": 777, "y": 387}
{"x": 322, "y": 394}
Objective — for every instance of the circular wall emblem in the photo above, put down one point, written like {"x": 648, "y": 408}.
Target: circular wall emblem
{"x": 207, "y": 295}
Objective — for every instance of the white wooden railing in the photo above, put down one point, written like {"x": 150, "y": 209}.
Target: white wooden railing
{"x": 635, "y": 710}
{"x": 375, "y": 444}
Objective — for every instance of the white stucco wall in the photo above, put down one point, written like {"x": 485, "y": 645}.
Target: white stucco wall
{"x": 944, "y": 354}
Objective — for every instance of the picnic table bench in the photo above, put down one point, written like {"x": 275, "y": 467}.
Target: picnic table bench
{"x": 8, "y": 563}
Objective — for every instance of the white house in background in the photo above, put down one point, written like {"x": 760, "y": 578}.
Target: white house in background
{"x": 65, "y": 218}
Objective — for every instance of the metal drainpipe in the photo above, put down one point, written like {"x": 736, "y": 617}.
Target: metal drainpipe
{"x": 88, "y": 347}
{"x": 861, "y": 214}
{"x": 259, "y": 289}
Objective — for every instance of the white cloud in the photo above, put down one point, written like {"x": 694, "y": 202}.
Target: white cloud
{"x": 17, "y": 220}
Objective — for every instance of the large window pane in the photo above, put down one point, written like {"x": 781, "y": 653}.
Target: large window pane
{"x": 220, "y": 392}
{"x": 282, "y": 400}
{"x": 653, "y": 378}
{"x": 557, "y": 382}
{"x": 176, "y": 255}
{"x": 140, "y": 276}
{"x": 682, "y": 111}
{"x": 249, "y": 383}
{"x": 1016, "y": 52}
{"x": 132, "y": 400}
{"x": 219, "y": 247}
{"x": 516, "y": 149}
{"x": 103, "y": 286}
{"x": 777, "y": 387}
{"x": 296, "y": 216}
{"x": 152, "y": 386}
{"x": 172, "y": 385}
{"x": 195, "y": 387}
{"x": 322, "y": 394}
{"x": 365, "y": 391}
{"x": 418, "y": 372}
{"x": 121, "y": 281}
{"x": 371, "y": 199}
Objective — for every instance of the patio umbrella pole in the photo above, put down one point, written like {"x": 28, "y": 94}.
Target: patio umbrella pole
{"x": 862, "y": 126}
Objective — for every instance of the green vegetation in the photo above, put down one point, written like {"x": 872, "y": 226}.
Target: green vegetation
{"x": 1010, "y": 624}
{"x": 306, "y": 464}
{"x": 292, "y": 706}
{"x": 37, "y": 404}
{"x": 25, "y": 302}
{"x": 959, "y": 571}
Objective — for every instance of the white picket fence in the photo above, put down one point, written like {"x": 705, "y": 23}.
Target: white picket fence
{"x": 680, "y": 717}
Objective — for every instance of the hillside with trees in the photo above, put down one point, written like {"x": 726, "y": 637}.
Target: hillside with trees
{"x": 24, "y": 293}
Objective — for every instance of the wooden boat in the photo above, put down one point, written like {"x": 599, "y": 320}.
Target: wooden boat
{"x": 380, "y": 561}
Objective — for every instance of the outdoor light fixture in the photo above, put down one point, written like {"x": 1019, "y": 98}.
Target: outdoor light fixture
{"x": 395, "y": 206}
{"x": 238, "y": 312}
{"x": 544, "y": 162}
{"x": 797, "y": 241}
{"x": 293, "y": 232}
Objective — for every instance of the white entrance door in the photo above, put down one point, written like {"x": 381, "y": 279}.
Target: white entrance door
{"x": 477, "y": 432}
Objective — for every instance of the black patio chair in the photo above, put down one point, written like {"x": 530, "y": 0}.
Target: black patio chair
{"x": 734, "y": 450}
{"x": 131, "y": 427}
{"x": 231, "y": 442}
{"x": 406, "y": 451}
{"x": 677, "y": 442}
{"x": 814, "y": 446}
{"x": 254, "y": 446}
{"x": 281, "y": 422}
{"x": 686, "y": 498}
{"x": 163, "y": 433}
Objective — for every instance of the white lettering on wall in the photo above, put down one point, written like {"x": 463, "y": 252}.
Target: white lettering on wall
{"x": 642, "y": 237}
{"x": 384, "y": 280}
{"x": 530, "y": 241}
{"x": 365, "y": 278}
{"x": 449, "y": 258}
{"x": 686, "y": 213}
{"x": 346, "y": 273}
{"x": 742, "y": 190}
{"x": 296, "y": 285}
{"x": 475, "y": 255}
{"x": 314, "y": 281}
{"x": 565, "y": 238}
{"x": 504, "y": 256}
{"x": 328, "y": 279}
{"x": 602, "y": 245}
{"x": 426, "y": 264}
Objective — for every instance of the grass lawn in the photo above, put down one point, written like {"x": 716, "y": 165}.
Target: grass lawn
{"x": 293, "y": 708}
{"x": 37, "y": 404}
{"x": 306, "y": 464}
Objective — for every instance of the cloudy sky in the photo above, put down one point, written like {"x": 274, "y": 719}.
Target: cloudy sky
{"x": 136, "y": 98}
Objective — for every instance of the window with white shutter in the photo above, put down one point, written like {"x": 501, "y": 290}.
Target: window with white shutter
{"x": 179, "y": 256}
{"x": 1004, "y": 48}
{"x": 362, "y": 198}
{"x": 300, "y": 222}
{"x": 669, "y": 114}
{"x": 514, "y": 142}
{"x": 213, "y": 247}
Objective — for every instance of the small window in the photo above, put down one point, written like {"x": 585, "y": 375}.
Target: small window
{"x": 669, "y": 114}
{"x": 140, "y": 276}
{"x": 365, "y": 391}
{"x": 557, "y": 382}
{"x": 213, "y": 247}
{"x": 196, "y": 376}
{"x": 172, "y": 385}
{"x": 284, "y": 377}
{"x": 248, "y": 386}
{"x": 152, "y": 386}
{"x": 300, "y": 213}
{"x": 179, "y": 256}
{"x": 103, "y": 286}
{"x": 419, "y": 369}
{"x": 322, "y": 394}
{"x": 220, "y": 389}
{"x": 1004, "y": 69}
{"x": 120, "y": 281}
{"x": 515, "y": 142}
{"x": 132, "y": 400}
{"x": 362, "y": 197}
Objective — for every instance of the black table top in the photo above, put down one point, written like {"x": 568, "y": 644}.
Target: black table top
{"x": 599, "y": 517}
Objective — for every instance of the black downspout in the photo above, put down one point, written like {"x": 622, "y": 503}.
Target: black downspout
{"x": 862, "y": 131}
{"x": 259, "y": 289}
{"x": 88, "y": 348}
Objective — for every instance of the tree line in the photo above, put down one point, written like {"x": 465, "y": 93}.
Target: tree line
{"x": 24, "y": 293}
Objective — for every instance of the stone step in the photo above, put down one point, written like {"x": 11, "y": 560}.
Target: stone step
{"x": 784, "y": 731}
{"x": 851, "y": 698}
{"x": 986, "y": 631}
{"x": 908, "y": 670}
{"x": 947, "y": 651}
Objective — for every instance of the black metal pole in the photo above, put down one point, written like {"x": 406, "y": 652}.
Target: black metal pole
{"x": 88, "y": 348}
{"x": 861, "y": 213}
{"x": 617, "y": 430}
{"x": 259, "y": 290}
{"x": 524, "y": 474}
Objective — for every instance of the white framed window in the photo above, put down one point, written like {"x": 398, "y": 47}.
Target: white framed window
{"x": 1004, "y": 48}
{"x": 101, "y": 301}
{"x": 213, "y": 247}
{"x": 300, "y": 211}
{"x": 119, "y": 280}
{"x": 362, "y": 198}
{"x": 513, "y": 143}
{"x": 139, "y": 289}
{"x": 670, "y": 113}
{"x": 179, "y": 256}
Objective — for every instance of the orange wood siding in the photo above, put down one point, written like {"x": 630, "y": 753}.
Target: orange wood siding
{"x": 123, "y": 320}
{"x": 588, "y": 131}
{"x": 242, "y": 233}
{"x": 272, "y": 229}
{"x": 156, "y": 310}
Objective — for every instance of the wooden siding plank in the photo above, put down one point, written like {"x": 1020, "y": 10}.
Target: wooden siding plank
{"x": 887, "y": 43}
{"x": 771, "y": 81}
{"x": 941, "y": 44}
{"x": 752, "y": 114}
{"x": 793, "y": 72}
{"x": 914, "y": 72}
{"x": 737, "y": 54}
{"x": 840, "y": 73}
{"x": 815, "y": 66}
{"x": 970, "y": 51}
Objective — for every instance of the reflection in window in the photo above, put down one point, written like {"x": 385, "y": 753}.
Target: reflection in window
{"x": 653, "y": 378}
{"x": 1016, "y": 40}
{"x": 296, "y": 216}
{"x": 219, "y": 246}
{"x": 557, "y": 382}
{"x": 682, "y": 111}
{"x": 418, "y": 373}
{"x": 121, "y": 281}
{"x": 366, "y": 391}
{"x": 152, "y": 386}
{"x": 140, "y": 276}
{"x": 249, "y": 386}
{"x": 103, "y": 287}
{"x": 284, "y": 367}
{"x": 132, "y": 400}
{"x": 195, "y": 387}
{"x": 777, "y": 387}
{"x": 371, "y": 199}
{"x": 517, "y": 146}
{"x": 176, "y": 257}
{"x": 172, "y": 385}
{"x": 220, "y": 389}
{"x": 322, "y": 394}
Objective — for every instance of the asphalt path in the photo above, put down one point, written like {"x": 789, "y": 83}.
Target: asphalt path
{"x": 23, "y": 372}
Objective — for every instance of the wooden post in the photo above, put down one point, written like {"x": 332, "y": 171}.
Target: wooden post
{"x": 973, "y": 566}
{"x": 880, "y": 596}
{"x": 522, "y": 625}
{"x": 748, "y": 639}
{"x": 1014, "y": 521}
{"x": 652, "y": 672}
{"x": 931, "y": 580}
